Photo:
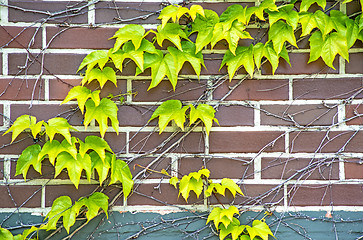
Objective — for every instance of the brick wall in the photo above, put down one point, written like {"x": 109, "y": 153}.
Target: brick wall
{"x": 292, "y": 140}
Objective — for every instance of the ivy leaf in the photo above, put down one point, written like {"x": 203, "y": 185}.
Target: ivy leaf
{"x": 205, "y": 113}
{"x": 131, "y": 32}
{"x": 188, "y": 184}
{"x": 107, "y": 109}
{"x": 196, "y": 9}
{"x": 308, "y": 22}
{"x": 74, "y": 166}
{"x": 173, "y": 181}
{"x": 101, "y": 75}
{"x": 352, "y": 31}
{"x": 305, "y": 4}
{"x": 232, "y": 35}
{"x": 120, "y": 171}
{"x": 170, "y": 110}
{"x": 204, "y": 26}
{"x": 229, "y": 184}
{"x": 60, "y": 208}
{"x": 82, "y": 94}
{"x": 99, "y": 57}
{"x": 224, "y": 216}
{"x": 187, "y": 55}
{"x": 259, "y": 229}
{"x": 172, "y": 11}
{"x": 22, "y": 123}
{"x": 172, "y": 32}
{"x": 29, "y": 157}
{"x": 5, "y": 234}
{"x": 265, "y": 5}
{"x": 324, "y": 22}
{"x": 214, "y": 187}
{"x": 286, "y": 13}
{"x": 279, "y": 33}
{"x": 93, "y": 203}
{"x": 236, "y": 12}
{"x": 102, "y": 166}
{"x": 261, "y": 50}
{"x": 54, "y": 148}
{"x": 234, "y": 228}
{"x": 243, "y": 57}
{"x": 58, "y": 125}
{"x": 96, "y": 144}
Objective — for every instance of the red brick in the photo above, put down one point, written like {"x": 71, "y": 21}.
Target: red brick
{"x": 355, "y": 63}
{"x": 74, "y": 38}
{"x": 1, "y": 63}
{"x": 140, "y": 164}
{"x": 151, "y": 194}
{"x": 116, "y": 142}
{"x": 20, "y": 37}
{"x": 45, "y": 112}
{"x": 185, "y": 90}
{"x": 17, "y": 15}
{"x": 353, "y": 169}
{"x": 239, "y": 142}
{"x": 21, "y": 89}
{"x": 20, "y": 143}
{"x": 2, "y": 168}
{"x": 53, "y": 192}
{"x": 336, "y": 88}
{"x": 62, "y": 63}
{"x": 353, "y": 111}
{"x": 310, "y": 142}
{"x": 1, "y": 112}
{"x": 303, "y": 115}
{"x": 130, "y": 115}
{"x": 235, "y": 116}
{"x": 299, "y": 65}
{"x": 143, "y": 142}
{"x": 18, "y": 60}
{"x": 16, "y": 196}
{"x": 235, "y": 168}
{"x": 252, "y": 89}
{"x": 297, "y": 168}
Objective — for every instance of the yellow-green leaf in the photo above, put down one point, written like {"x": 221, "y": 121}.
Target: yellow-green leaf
{"x": 99, "y": 57}
{"x": 101, "y": 75}
{"x": 131, "y": 32}
{"x": 205, "y": 113}
{"x": 120, "y": 171}
{"x": 29, "y": 157}
{"x": 25, "y": 122}
{"x": 102, "y": 167}
{"x": 286, "y": 13}
{"x": 172, "y": 32}
{"x": 305, "y": 4}
{"x": 82, "y": 94}
{"x": 265, "y": 5}
{"x": 173, "y": 181}
{"x": 279, "y": 33}
{"x": 54, "y": 148}
{"x": 58, "y": 125}
{"x": 94, "y": 203}
{"x": 259, "y": 229}
{"x": 97, "y": 144}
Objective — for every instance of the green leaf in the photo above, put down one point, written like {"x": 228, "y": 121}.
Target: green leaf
{"x": 29, "y": 157}
{"x": 22, "y": 123}
{"x": 308, "y": 22}
{"x": 236, "y": 12}
{"x": 99, "y": 57}
{"x": 5, "y": 234}
{"x": 231, "y": 186}
{"x": 260, "y": 50}
{"x": 265, "y": 5}
{"x": 101, "y": 75}
{"x": 204, "y": 26}
{"x": 259, "y": 229}
{"x": 102, "y": 166}
{"x": 54, "y": 148}
{"x": 243, "y": 57}
{"x": 168, "y": 111}
{"x": 82, "y": 94}
{"x": 26, "y": 233}
{"x": 232, "y": 35}
{"x": 205, "y": 113}
{"x": 97, "y": 144}
{"x": 279, "y": 33}
{"x": 286, "y": 13}
{"x": 173, "y": 181}
{"x": 324, "y": 22}
{"x": 120, "y": 171}
{"x": 234, "y": 228}
{"x": 187, "y": 184}
{"x": 196, "y": 9}
{"x": 74, "y": 166}
{"x": 172, "y": 32}
{"x": 60, "y": 208}
{"x": 214, "y": 187}
{"x": 187, "y": 55}
{"x": 173, "y": 12}
{"x": 58, "y": 125}
{"x": 305, "y": 4}
{"x": 93, "y": 203}
{"x": 107, "y": 109}
{"x": 224, "y": 216}
{"x": 131, "y": 32}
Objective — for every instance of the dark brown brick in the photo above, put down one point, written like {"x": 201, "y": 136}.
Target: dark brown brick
{"x": 1, "y": 63}
{"x": 21, "y": 89}
{"x": 319, "y": 142}
{"x": 140, "y": 164}
{"x": 89, "y": 38}
{"x": 227, "y": 142}
{"x": 45, "y": 112}
{"x": 353, "y": 7}
{"x": 235, "y": 116}
{"x": 19, "y": 37}
{"x": 299, "y": 65}
{"x": 354, "y": 112}
{"x": 303, "y": 115}
{"x": 143, "y": 142}
{"x": 2, "y": 160}
{"x": 299, "y": 168}
{"x": 166, "y": 194}
{"x": 24, "y": 196}
{"x": 116, "y": 142}
{"x": 355, "y": 63}
{"x": 2, "y": 112}
{"x": 255, "y": 90}
{"x": 17, "y": 15}
{"x": 235, "y": 168}
{"x": 17, "y": 63}
{"x": 336, "y": 88}
{"x": 129, "y": 115}
{"x": 20, "y": 143}
{"x": 184, "y": 91}
{"x": 353, "y": 169}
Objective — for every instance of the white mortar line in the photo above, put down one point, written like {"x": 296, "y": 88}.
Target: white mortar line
{"x": 341, "y": 65}
{"x": 285, "y": 197}
{"x": 91, "y": 14}
{"x": 341, "y": 115}
{"x": 174, "y": 169}
{"x": 6, "y": 117}
{"x": 257, "y": 168}
{"x": 5, "y": 63}
{"x": 44, "y": 37}
{"x": 129, "y": 90}
{"x": 287, "y": 142}
{"x": 7, "y": 169}
{"x": 46, "y": 89}
{"x": 42, "y": 203}
{"x": 291, "y": 91}
{"x": 257, "y": 114}
{"x": 4, "y": 17}
{"x": 127, "y": 133}
{"x": 341, "y": 169}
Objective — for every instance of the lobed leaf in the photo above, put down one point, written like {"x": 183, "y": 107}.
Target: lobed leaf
{"x": 82, "y": 94}
{"x": 25, "y": 122}
{"x": 98, "y": 57}
{"x": 60, "y": 126}
{"x": 305, "y": 4}
{"x": 279, "y": 33}
{"x": 259, "y": 229}
{"x": 224, "y": 216}
{"x": 120, "y": 172}
{"x": 101, "y": 75}
{"x": 265, "y": 5}
{"x": 131, "y": 32}
{"x": 94, "y": 203}
{"x": 97, "y": 144}
{"x": 286, "y": 13}
{"x": 54, "y": 148}
{"x": 205, "y": 113}
{"x": 29, "y": 157}
{"x": 173, "y": 181}
{"x": 235, "y": 229}
{"x": 102, "y": 167}
{"x": 172, "y": 32}
{"x": 173, "y": 12}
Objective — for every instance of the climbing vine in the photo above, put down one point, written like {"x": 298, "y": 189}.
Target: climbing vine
{"x": 187, "y": 32}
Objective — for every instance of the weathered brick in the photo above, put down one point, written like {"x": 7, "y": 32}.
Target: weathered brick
{"x": 353, "y": 111}
{"x": 52, "y": 192}
{"x": 17, "y": 63}
{"x": 116, "y": 142}
{"x": 353, "y": 169}
{"x": 354, "y": 65}
{"x": 16, "y": 196}
{"x": 238, "y": 142}
{"x": 299, "y": 168}
{"x": 303, "y": 115}
{"x": 17, "y": 15}
{"x": 130, "y": 115}
{"x": 1, "y": 111}
{"x": 252, "y": 89}
{"x": 299, "y": 65}
{"x": 20, "y": 37}
{"x": 184, "y": 91}
{"x": 21, "y": 89}
{"x": 1, "y": 63}
{"x": 143, "y": 142}
{"x": 140, "y": 164}
{"x": 235, "y": 168}
{"x": 235, "y": 116}
{"x": 20, "y": 143}
{"x": 2, "y": 173}
{"x": 335, "y": 88}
